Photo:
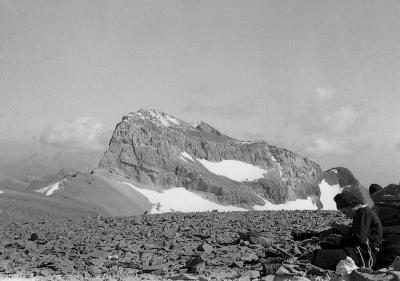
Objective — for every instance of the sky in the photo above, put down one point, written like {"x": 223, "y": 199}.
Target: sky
{"x": 320, "y": 78}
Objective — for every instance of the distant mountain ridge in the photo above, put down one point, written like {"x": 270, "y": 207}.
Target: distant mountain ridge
{"x": 39, "y": 167}
{"x": 148, "y": 146}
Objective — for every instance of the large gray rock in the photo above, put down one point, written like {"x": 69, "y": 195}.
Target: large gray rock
{"x": 147, "y": 147}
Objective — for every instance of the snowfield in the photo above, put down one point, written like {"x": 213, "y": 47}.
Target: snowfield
{"x": 327, "y": 194}
{"x": 49, "y": 190}
{"x": 299, "y": 204}
{"x": 179, "y": 199}
{"x": 233, "y": 169}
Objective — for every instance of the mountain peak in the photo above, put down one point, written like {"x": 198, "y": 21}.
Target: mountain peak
{"x": 156, "y": 117}
{"x": 156, "y": 149}
{"x": 163, "y": 119}
{"x": 204, "y": 127}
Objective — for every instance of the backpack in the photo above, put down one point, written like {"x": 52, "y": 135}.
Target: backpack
{"x": 387, "y": 205}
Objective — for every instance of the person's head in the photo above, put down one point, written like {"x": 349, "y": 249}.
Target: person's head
{"x": 374, "y": 188}
{"x": 348, "y": 203}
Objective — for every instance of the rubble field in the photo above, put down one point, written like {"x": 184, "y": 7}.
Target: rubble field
{"x": 173, "y": 246}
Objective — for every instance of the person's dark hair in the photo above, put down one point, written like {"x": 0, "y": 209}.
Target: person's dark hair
{"x": 347, "y": 199}
{"x": 373, "y": 188}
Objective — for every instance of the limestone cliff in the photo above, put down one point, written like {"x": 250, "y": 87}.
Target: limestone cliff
{"x": 161, "y": 151}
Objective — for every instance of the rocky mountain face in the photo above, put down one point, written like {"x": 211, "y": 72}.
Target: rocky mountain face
{"x": 161, "y": 151}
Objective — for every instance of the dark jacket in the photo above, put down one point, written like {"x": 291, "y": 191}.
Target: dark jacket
{"x": 365, "y": 237}
{"x": 362, "y": 242}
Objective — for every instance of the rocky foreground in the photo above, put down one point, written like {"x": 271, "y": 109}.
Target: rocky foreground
{"x": 175, "y": 246}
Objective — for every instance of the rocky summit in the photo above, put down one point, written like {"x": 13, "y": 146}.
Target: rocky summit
{"x": 160, "y": 151}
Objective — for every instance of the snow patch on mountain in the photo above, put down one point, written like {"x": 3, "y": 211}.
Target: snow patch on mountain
{"x": 154, "y": 116}
{"x": 195, "y": 124}
{"x": 183, "y": 159}
{"x": 278, "y": 164}
{"x": 172, "y": 119}
{"x": 248, "y": 142}
{"x": 159, "y": 117}
{"x": 233, "y": 169}
{"x": 327, "y": 194}
{"x": 179, "y": 199}
{"x": 186, "y": 155}
{"x": 299, "y": 204}
{"x": 49, "y": 190}
{"x": 162, "y": 118}
{"x": 334, "y": 170}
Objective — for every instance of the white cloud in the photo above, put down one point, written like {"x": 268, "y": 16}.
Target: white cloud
{"x": 322, "y": 146}
{"x": 82, "y": 133}
{"x": 341, "y": 120}
{"x": 325, "y": 124}
{"x": 325, "y": 93}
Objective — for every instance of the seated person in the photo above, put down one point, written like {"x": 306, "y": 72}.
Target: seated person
{"x": 387, "y": 207}
{"x": 362, "y": 242}
{"x": 343, "y": 228}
